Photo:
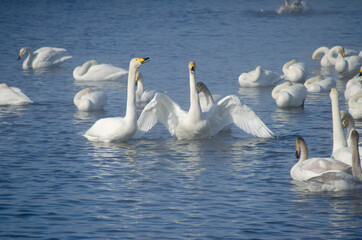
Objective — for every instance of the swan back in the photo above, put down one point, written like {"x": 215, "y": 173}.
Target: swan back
{"x": 12, "y": 96}
{"x": 89, "y": 100}
{"x": 294, "y": 71}
{"x": 289, "y": 95}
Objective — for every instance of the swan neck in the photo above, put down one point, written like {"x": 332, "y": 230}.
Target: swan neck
{"x": 29, "y": 60}
{"x": 338, "y": 136}
{"x": 84, "y": 68}
{"x": 356, "y": 164}
{"x": 131, "y": 112}
{"x": 195, "y": 107}
{"x": 331, "y": 55}
{"x": 139, "y": 86}
{"x": 303, "y": 152}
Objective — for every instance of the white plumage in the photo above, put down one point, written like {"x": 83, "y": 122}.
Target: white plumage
{"x": 319, "y": 84}
{"x": 94, "y": 71}
{"x": 259, "y": 78}
{"x": 294, "y": 71}
{"x": 12, "y": 96}
{"x": 289, "y": 95}
{"x": 88, "y": 100}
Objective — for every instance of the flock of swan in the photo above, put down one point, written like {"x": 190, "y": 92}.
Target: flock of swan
{"x": 206, "y": 117}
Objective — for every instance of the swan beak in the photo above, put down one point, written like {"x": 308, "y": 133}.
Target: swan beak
{"x": 143, "y": 60}
{"x": 343, "y": 53}
{"x": 192, "y": 68}
{"x": 360, "y": 71}
{"x": 20, "y": 56}
{"x": 344, "y": 123}
{"x": 297, "y": 154}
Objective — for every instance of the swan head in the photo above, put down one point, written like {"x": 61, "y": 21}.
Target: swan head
{"x": 360, "y": 72}
{"x": 22, "y": 52}
{"x": 339, "y": 50}
{"x": 192, "y": 67}
{"x": 4, "y": 85}
{"x": 333, "y": 92}
{"x": 299, "y": 143}
{"x": 137, "y": 62}
{"x": 347, "y": 119}
{"x": 355, "y": 136}
{"x": 200, "y": 87}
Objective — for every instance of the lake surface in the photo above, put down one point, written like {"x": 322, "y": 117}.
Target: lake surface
{"x": 54, "y": 184}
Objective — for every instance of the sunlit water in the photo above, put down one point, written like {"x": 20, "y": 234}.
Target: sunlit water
{"x": 54, "y": 184}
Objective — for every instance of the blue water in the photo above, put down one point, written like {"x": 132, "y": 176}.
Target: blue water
{"x": 54, "y": 184}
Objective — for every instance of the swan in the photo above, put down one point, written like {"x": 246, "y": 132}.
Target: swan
{"x": 205, "y": 97}
{"x": 339, "y": 180}
{"x": 259, "y": 78}
{"x": 94, "y": 71}
{"x": 294, "y": 71}
{"x": 355, "y": 106}
{"x": 307, "y": 168}
{"x": 118, "y": 128}
{"x": 12, "y": 96}
{"x": 295, "y": 7}
{"x": 348, "y": 122}
{"x": 324, "y": 58}
{"x": 195, "y": 124}
{"x": 319, "y": 84}
{"x": 353, "y": 86}
{"x": 289, "y": 95}
{"x": 89, "y": 100}
{"x": 43, "y": 57}
{"x": 143, "y": 96}
{"x": 346, "y": 66}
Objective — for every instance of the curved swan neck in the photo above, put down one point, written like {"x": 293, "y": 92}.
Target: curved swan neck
{"x": 288, "y": 64}
{"x": 29, "y": 60}
{"x": 338, "y": 136}
{"x": 332, "y": 52}
{"x": 131, "y": 97}
{"x": 356, "y": 164}
{"x": 302, "y": 148}
{"x": 85, "y": 67}
{"x": 140, "y": 89}
{"x": 318, "y": 51}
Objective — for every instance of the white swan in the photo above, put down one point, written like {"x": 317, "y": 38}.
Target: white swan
{"x": 94, "y": 71}
{"x": 346, "y": 66}
{"x": 43, "y": 57}
{"x": 118, "y": 128}
{"x": 88, "y": 100}
{"x": 307, "y": 168}
{"x": 348, "y": 122}
{"x": 205, "y": 97}
{"x": 355, "y": 106}
{"x": 195, "y": 124}
{"x": 319, "y": 84}
{"x": 294, "y": 71}
{"x": 12, "y": 96}
{"x": 259, "y": 78}
{"x": 143, "y": 96}
{"x": 324, "y": 59}
{"x": 339, "y": 180}
{"x": 295, "y": 7}
{"x": 353, "y": 86}
{"x": 289, "y": 95}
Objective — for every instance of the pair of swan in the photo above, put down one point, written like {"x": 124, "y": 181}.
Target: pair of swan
{"x": 345, "y": 66}
{"x": 295, "y": 7}
{"x": 289, "y": 94}
{"x": 88, "y": 100}
{"x": 319, "y": 83}
{"x": 259, "y": 78}
{"x": 12, "y": 96}
{"x": 94, "y": 71}
{"x": 44, "y": 57}
{"x": 294, "y": 71}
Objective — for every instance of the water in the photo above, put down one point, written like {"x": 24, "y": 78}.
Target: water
{"x": 54, "y": 184}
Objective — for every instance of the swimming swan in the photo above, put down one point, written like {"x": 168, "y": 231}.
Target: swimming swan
{"x": 43, "y": 57}
{"x": 143, "y": 96}
{"x": 295, "y": 7}
{"x": 340, "y": 180}
{"x": 307, "y": 168}
{"x": 88, "y": 100}
{"x": 321, "y": 54}
{"x": 294, "y": 71}
{"x": 12, "y": 96}
{"x": 118, "y": 128}
{"x": 259, "y": 78}
{"x": 346, "y": 66}
{"x": 355, "y": 106}
{"x": 289, "y": 95}
{"x": 319, "y": 84}
{"x": 195, "y": 124}
{"x": 353, "y": 86}
{"x": 94, "y": 71}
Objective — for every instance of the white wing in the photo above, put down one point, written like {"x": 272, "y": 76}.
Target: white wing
{"x": 160, "y": 108}
{"x": 231, "y": 110}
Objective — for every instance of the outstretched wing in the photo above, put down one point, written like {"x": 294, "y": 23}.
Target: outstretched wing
{"x": 231, "y": 110}
{"x": 160, "y": 108}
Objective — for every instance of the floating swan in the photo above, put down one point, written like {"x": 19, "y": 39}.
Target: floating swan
{"x": 12, "y": 96}
{"x": 348, "y": 122}
{"x": 319, "y": 84}
{"x": 197, "y": 125}
{"x": 295, "y": 7}
{"x": 307, "y": 168}
{"x": 143, "y": 96}
{"x": 340, "y": 180}
{"x": 259, "y": 78}
{"x": 88, "y": 100}
{"x": 346, "y": 66}
{"x": 43, "y": 57}
{"x": 118, "y": 128}
{"x": 324, "y": 59}
{"x": 353, "y": 86}
{"x": 289, "y": 95}
{"x": 355, "y": 106}
{"x": 94, "y": 71}
{"x": 294, "y": 71}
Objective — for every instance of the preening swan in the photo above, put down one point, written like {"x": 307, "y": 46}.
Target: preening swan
{"x": 259, "y": 78}
{"x": 307, "y": 168}
{"x": 12, "y": 96}
{"x": 94, "y": 71}
{"x": 289, "y": 95}
{"x": 89, "y": 100}
{"x": 294, "y": 71}
{"x": 143, "y": 96}
{"x": 340, "y": 180}
{"x": 43, "y": 57}
{"x": 321, "y": 54}
{"x": 195, "y": 124}
{"x": 355, "y": 106}
{"x": 319, "y": 84}
{"x": 346, "y": 66}
{"x": 353, "y": 86}
{"x": 118, "y": 128}
{"x": 295, "y": 7}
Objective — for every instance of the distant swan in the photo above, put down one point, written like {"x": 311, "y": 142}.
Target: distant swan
{"x": 353, "y": 86}
{"x": 12, "y": 96}
{"x": 355, "y": 106}
{"x": 94, "y": 71}
{"x": 143, "y": 96}
{"x": 339, "y": 180}
{"x": 295, "y": 7}
{"x": 195, "y": 124}
{"x": 259, "y": 78}
{"x": 44, "y": 57}
{"x": 346, "y": 66}
{"x": 324, "y": 60}
{"x": 118, "y": 128}
{"x": 289, "y": 95}
{"x": 307, "y": 168}
{"x": 89, "y": 100}
{"x": 294, "y": 71}
{"x": 319, "y": 84}
{"x": 348, "y": 122}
